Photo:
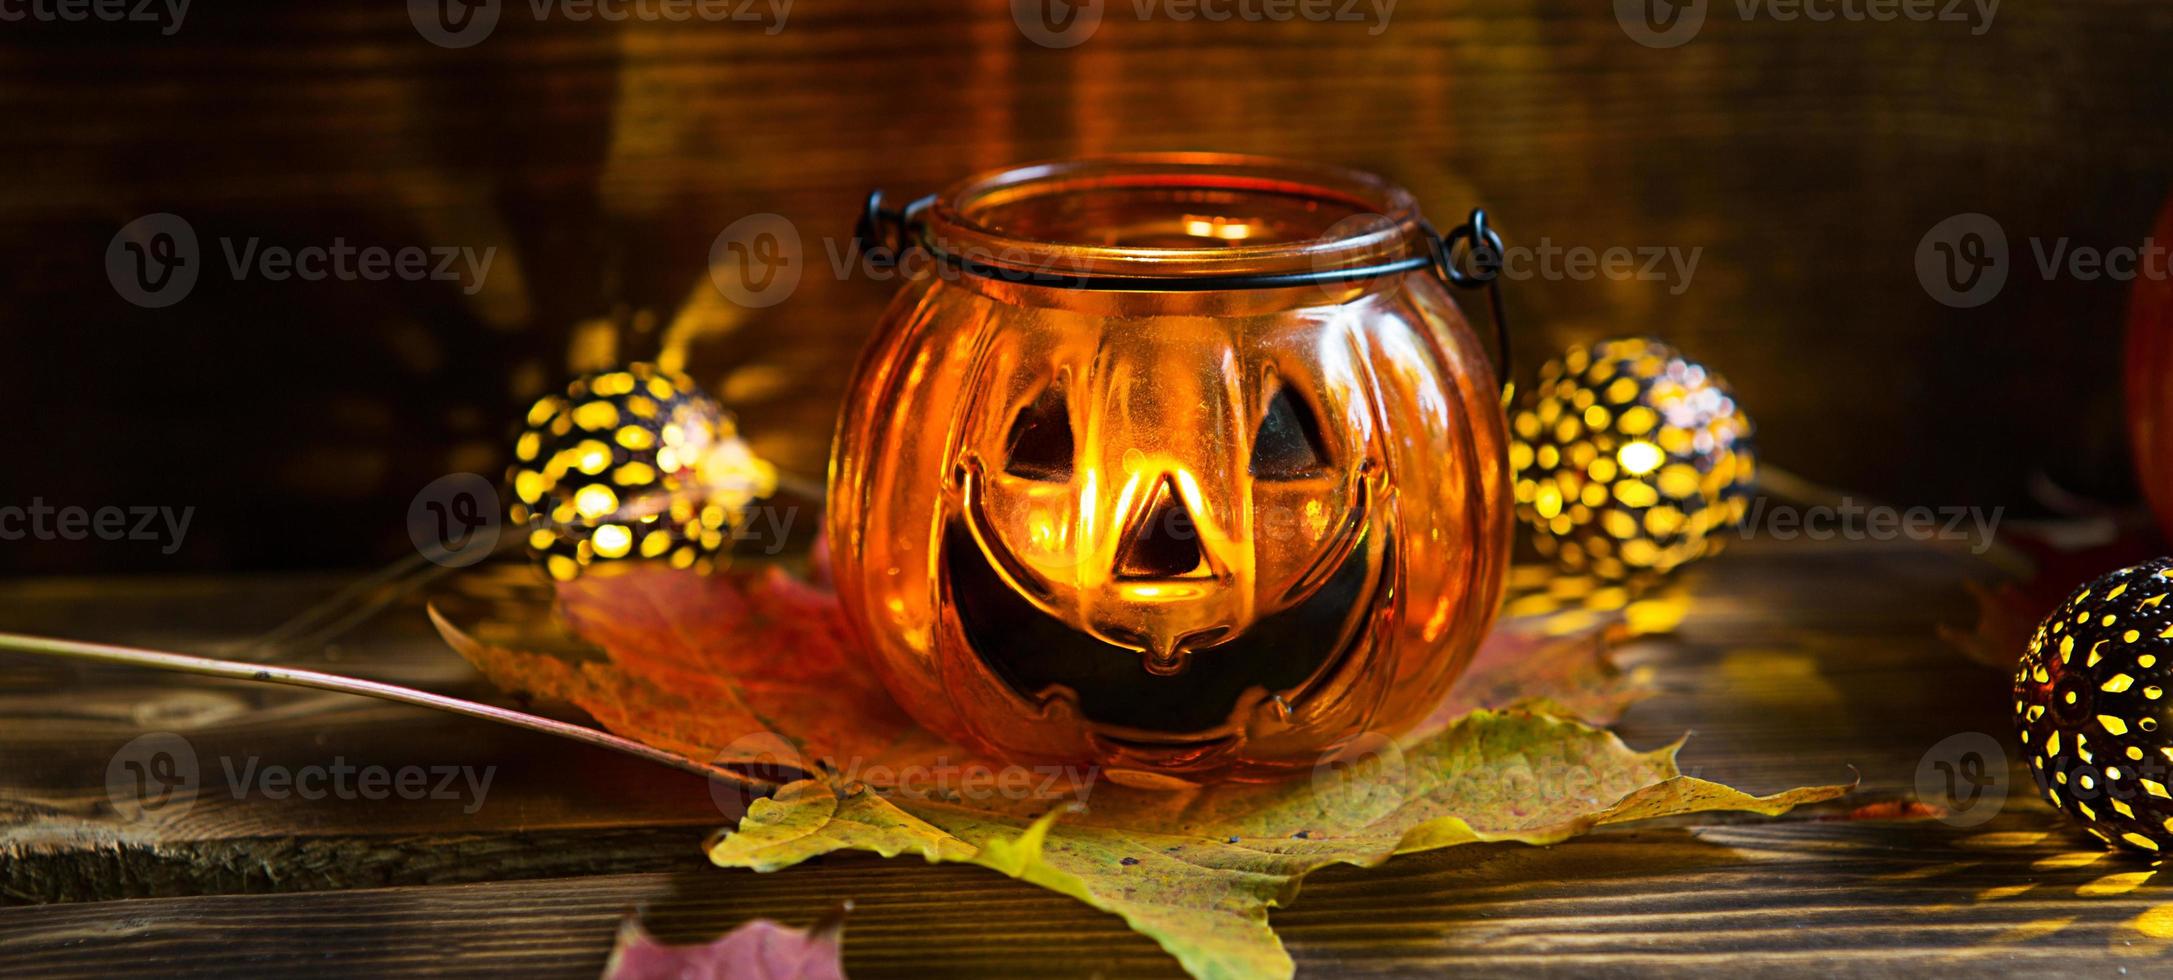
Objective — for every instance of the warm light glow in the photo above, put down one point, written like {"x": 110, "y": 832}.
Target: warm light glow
{"x": 591, "y": 457}
{"x": 1223, "y": 228}
{"x": 596, "y": 416}
{"x": 1548, "y": 501}
{"x": 1158, "y": 509}
{"x": 595, "y": 500}
{"x": 1629, "y": 458}
{"x": 1640, "y": 457}
{"x": 641, "y": 449}
{"x": 613, "y": 541}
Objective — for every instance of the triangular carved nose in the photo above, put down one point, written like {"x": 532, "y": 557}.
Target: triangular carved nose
{"x": 1164, "y": 544}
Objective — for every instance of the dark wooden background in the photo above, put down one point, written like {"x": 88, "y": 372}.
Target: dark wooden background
{"x": 1799, "y": 662}
{"x": 601, "y": 160}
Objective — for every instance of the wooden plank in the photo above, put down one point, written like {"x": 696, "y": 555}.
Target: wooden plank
{"x": 1806, "y": 160}
{"x": 1798, "y": 663}
{"x": 1796, "y": 898}
{"x": 544, "y": 807}
{"x": 911, "y": 917}
{"x": 1793, "y": 668}
{"x": 1802, "y": 661}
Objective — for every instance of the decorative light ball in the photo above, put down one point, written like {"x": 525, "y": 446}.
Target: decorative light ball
{"x": 633, "y": 463}
{"x": 1629, "y": 458}
{"x": 2091, "y": 708}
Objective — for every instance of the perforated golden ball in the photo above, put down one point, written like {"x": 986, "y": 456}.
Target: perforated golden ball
{"x": 635, "y": 463}
{"x": 1629, "y": 459}
{"x": 2091, "y": 708}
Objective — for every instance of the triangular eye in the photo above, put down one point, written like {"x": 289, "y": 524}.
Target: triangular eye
{"x": 1040, "y": 445}
{"x": 1289, "y": 445}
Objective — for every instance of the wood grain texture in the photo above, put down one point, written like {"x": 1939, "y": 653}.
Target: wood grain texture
{"x": 1804, "y": 159}
{"x": 549, "y": 808}
{"x": 1799, "y": 662}
{"x": 1796, "y": 899}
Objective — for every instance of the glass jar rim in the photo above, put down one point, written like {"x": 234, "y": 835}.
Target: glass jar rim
{"x": 1380, "y": 222}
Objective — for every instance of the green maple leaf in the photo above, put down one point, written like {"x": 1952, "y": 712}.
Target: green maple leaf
{"x": 1202, "y": 887}
{"x": 701, "y": 666}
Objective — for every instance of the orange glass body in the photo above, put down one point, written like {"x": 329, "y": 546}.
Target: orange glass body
{"x": 2149, "y": 369}
{"x": 1182, "y": 534}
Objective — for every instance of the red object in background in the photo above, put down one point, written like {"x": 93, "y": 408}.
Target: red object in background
{"x": 2149, "y": 360}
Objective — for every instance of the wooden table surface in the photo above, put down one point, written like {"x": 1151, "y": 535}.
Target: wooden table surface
{"x": 1798, "y": 662}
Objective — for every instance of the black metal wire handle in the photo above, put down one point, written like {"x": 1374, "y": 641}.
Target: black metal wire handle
{"x": 1484, "y": 246}
{"x": 884, "y": 234}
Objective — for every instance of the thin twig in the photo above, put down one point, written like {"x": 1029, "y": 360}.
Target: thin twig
{"x": 120, "y": 656}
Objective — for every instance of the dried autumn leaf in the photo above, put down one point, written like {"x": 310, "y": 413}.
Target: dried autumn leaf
{"x": 1197, "y": 872}
{"x": 1895, "y": 810}
{"x": 1530, "y": 663}
{"x": 2008, "y": 612}
{"x": 757, "y": 950}
{"x": 699, "y": 665}
{"x": 704, "y": 666}
{"x": 708, "y": 667}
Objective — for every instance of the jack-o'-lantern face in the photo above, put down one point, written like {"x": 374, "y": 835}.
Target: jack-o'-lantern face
{"x": 1181, "y": 534}
{"x": 1166, "y": 528}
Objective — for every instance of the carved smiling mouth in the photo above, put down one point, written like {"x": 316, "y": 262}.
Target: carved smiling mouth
{"x": 1039, "y": 656}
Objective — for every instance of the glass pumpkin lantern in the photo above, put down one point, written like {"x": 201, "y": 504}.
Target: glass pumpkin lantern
{"x": 1185, "y": 466}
